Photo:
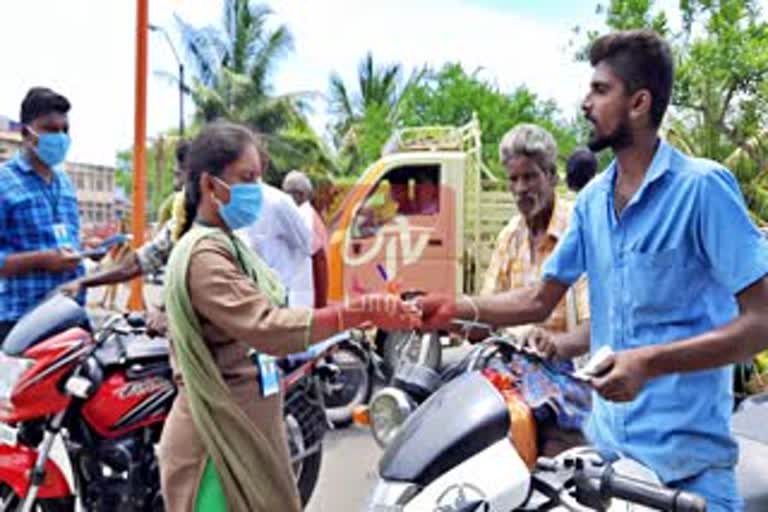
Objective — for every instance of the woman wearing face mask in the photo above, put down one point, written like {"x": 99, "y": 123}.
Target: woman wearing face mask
{"x": 223, "y": 446}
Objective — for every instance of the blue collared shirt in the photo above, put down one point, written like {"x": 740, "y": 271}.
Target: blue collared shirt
{"x": 667, "y": 269}
{"x": 29, "y": 209}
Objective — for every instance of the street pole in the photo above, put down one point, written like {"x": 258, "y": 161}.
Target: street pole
{"x": 136, "y": 299}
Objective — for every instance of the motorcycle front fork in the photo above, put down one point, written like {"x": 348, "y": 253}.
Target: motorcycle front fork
{"x": 38, "y": 471}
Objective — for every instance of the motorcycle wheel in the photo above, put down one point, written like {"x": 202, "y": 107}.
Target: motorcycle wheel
{"x": 410, "y": 347}
{"x": 9, "y": 502}
{"x": 351, "y": 388}
{"x": 305, "y": 428}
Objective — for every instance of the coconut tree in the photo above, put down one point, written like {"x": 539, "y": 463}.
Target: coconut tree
{"x": 363, "y": 119}
{"x": 233, "y": 65}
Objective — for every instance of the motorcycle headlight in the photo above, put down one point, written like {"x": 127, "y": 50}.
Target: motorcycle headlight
{"x": 389, "y": 409}
{"x": 11, "y": 370}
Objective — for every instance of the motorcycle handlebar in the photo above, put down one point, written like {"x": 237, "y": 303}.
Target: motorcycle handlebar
{"x": 650, "y": 495}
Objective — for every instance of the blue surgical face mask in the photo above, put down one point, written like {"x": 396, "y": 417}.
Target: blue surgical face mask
{"x": 244, "y": 206}
{"x": 51, "y": 148}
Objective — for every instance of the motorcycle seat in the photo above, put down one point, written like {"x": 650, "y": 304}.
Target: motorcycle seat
{"x": 417, "y": 380}
{"x": 752, "y": 470}
{"x": 752, "y": 474}
{"x": 751, "y": 418}
{"x": 132, "y": 348}
{"x": 146, "y": 347}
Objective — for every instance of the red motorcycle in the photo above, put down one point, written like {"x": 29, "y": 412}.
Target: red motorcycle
{"x": 108, "y": 395}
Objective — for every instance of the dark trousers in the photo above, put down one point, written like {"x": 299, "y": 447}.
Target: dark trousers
{"x": 5, "y": 328}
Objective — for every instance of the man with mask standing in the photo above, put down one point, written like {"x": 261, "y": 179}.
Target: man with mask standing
{"x": 677, "y": 281}
{"x": 39, "y": 219}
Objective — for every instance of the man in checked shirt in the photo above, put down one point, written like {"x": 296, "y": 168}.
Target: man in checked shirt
{"x": 39, "y": 218}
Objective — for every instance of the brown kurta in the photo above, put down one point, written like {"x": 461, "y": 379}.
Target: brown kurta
{"x": 230, "y": 307}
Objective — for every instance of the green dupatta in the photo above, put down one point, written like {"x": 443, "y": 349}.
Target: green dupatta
{"x": 241, "y": 473}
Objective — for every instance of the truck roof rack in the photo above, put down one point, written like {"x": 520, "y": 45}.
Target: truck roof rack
{"x": 465, "y": 138}
{"x": 433, "y": 138}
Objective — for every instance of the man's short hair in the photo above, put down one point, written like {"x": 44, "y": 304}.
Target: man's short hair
{"x": 41, "y": 101}
{"x": 643, "y": 60}
{"x": 533, "y": 142}
{"x": 580, "y": 168}
{"x": 181, "y": 151}
{"x": 300, "y": 179}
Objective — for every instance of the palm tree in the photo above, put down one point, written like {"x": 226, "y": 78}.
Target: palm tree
{"x": 233, "y": 64}
{"x": 375, "y": 103}
{"x": 233, "y": 67}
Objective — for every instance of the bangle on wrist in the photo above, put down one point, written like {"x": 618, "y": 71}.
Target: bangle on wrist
{"x": 474, "y": 307}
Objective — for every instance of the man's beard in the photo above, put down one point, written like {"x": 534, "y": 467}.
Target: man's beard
{"x": 619, "y": 139}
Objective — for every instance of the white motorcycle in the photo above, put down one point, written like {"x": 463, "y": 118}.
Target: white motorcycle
{"x": 455, "y": 453}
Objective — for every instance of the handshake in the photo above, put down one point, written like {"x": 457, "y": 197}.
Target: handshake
{"x": 411, "y": 310}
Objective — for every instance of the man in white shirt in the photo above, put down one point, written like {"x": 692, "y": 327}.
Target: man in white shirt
{"x": 284, "y": 241}
{"x": 297, "y": 185}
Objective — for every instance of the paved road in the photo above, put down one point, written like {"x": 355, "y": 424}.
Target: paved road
{"x": 348, "y": 471}
{"x": 351, "y": 457}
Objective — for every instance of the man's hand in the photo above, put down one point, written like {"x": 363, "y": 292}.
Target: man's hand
{"x": 60, "y": 260}
{"x": 625, "y": 375}
{"x": 437, "y": 311}
{"x": 157, "y": 321}
{"x": 542, "y": 341}
{"x": 71, "y": 289}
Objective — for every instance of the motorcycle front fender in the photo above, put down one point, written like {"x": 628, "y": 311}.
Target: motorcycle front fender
{"x": 16, "y": 463}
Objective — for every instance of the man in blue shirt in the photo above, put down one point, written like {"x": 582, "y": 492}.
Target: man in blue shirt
{"x": 677, "y": 281}
{"x": 39, "y": 219}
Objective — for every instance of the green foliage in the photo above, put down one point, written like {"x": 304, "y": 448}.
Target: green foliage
{"x": 160, "y": 155}
{"x": 363, "y": 119}
{"x": 720, "y": 100}
{"x": 450, "y": 96}
{"x": 233, "y": 66}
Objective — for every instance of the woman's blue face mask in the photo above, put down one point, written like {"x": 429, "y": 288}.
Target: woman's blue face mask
{"x": 244, "y": 206}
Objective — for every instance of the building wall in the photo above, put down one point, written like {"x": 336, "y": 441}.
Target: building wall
{"x": 95, "y": 185}
{"x": 9, "y": 143}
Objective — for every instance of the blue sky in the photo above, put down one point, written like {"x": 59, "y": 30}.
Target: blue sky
{"x": 85, "y": 49}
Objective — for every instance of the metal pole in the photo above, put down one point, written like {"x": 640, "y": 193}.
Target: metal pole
{"x": 181, "y": 99}
{"x": 136, "y": 302}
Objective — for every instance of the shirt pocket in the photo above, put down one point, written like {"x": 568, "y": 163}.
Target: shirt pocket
{"x": 662, "y": 286}
{"x": 33, "y": 224}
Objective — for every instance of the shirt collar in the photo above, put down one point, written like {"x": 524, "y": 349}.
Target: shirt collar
{"x": 22, "y": 162}
{"x": 24, "y": 165}
{"x": 557, "y": 227}
{"x": 660, "y": 164}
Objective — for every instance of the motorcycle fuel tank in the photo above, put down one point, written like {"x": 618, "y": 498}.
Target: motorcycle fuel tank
{"x": 122, "y": 404}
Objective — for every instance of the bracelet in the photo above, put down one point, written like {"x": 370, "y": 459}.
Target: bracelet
{"x": 474, "y": 307}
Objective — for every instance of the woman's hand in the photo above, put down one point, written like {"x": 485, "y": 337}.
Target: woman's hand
{"x": 387, "y": 312}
